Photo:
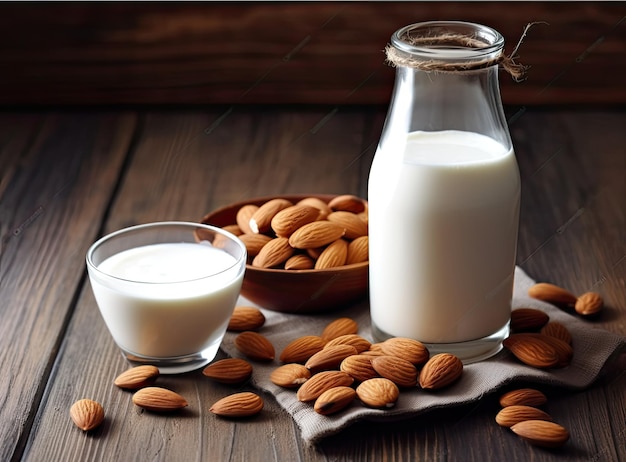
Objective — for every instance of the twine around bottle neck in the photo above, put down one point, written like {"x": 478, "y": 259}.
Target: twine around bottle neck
{"x": 396, "y": 57}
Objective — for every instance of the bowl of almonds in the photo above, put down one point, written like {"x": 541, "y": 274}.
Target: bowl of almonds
{"x": 306, "y": 253}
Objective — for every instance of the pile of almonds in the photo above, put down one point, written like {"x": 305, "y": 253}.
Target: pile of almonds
{"x": 310, "y": 234}
{"x": 333, "y": 369}
{"x": 521, "y": 413}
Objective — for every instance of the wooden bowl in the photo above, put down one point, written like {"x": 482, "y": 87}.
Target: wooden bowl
{"x": 296, "y": 291}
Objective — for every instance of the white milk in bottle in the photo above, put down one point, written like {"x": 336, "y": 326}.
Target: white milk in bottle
{"x": 443, "y": 230}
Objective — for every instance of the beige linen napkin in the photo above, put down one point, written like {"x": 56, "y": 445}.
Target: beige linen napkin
{"x": 592, "y": 348}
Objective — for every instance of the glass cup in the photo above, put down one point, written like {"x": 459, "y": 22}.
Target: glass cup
{"x": 166, "y": 291}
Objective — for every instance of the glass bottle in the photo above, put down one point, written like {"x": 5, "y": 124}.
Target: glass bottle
{"x": 444, "y": 194}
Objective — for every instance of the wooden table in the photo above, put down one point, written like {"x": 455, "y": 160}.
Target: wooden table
{"x": 68, "y": 177}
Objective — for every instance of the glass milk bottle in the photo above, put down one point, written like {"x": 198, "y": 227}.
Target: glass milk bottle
{"x": 444, "y": 194}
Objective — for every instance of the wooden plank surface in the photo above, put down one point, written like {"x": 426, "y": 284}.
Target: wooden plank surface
{"x": 181, "y": 164}
{"x": 58, "y": 174}
{"x": 286, "y": 52}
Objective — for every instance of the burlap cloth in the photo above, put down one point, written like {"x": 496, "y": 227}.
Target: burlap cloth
{"x": 592, "y": 348}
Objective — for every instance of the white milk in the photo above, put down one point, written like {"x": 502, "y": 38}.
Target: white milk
{"x": 179, "y": 304}
{"x": 443, "y": 219}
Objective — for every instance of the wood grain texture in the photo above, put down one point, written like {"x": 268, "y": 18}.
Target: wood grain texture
{"x": 58, "y": 184}
{"x": 181, "y": 164}
{"x": 286, "y": 52}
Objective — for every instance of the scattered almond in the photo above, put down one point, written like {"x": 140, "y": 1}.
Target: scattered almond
{"x": 557, "y": 330}
{"x": 301, "y": 349}
{"x": 243, "y": 404}
{"x": 378, "y": 393}
{"x": 339, "y": 327}
{"x": 564, "y": 350}
{"x": 528, "y": 319}
{"x": 552, "y": 294}
{"x": 159, "y": 399}
{"x": 359, "y": 367}
{"x": 532, "y": 350}
{"x": 245, "y": 318}
{"x": 413, "y": 351}
{"x": 542, "y": 433}
{"x": 440, "y": 371}
{"x": 361, "y": 344}
{"x": 87, "y": 414}
{"x": 523, "y": 396}
{"x": 137, "y": 377}
{"x": 334, "y": 400}
{"x": 329, "y": 358}
{"x": 290, "y": 375}
{"x": 511, "y": 415}
{"x": 589, "y": 304}
{"x": 230, "y": 370}
{"x": 400, "y": 371}
{"x": 319, "y": 383}
{"x": 255, "y": 346}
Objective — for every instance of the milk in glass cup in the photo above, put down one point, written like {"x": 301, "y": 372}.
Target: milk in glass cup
{"x": 166, "y": 291}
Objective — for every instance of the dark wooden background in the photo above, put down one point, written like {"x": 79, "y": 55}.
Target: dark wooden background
{"x": 286, "y": 52}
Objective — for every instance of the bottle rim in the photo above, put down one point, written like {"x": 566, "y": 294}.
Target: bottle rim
{"x": 493, "y": 41}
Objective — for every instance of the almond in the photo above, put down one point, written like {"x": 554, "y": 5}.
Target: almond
{"x": 361, "y": 344}
{"x": 523, "y": 396}
{"x": 334, "y": 255}
{"x": 319, "y": 383}
{"x": 316, "y": 234}
{"x": 301, "y": 349}
{"x": 159, "y": 399}
{"x": 358, "y": 250}
{"x": 411, "y": 350}
{"x": 137, "y": 377}
{"x": 440, "y": 371}
{"x": 398, "y": 370}
{"x": 564, "y": 350}
{"x": 255, "y": 346}
{"x": 274, "y": 253}
{"x": 245, "y": 318}
{"x": 254, "y": 243}
{"x": 378, "y": 393}
{"x": 229, "y": 371}
{"x": 589, "y": 304}
{"x": 243, "y": 217}
{"x": 329, "y": 358}
{"x": 334, "y": 400}
{"x": 359, "y": 367}
{"x": 552, "y": 294}
{"x": 319, "y": 204}
{"x": 244, "y": 404}
{"x": 512, "y": 415}
{"x": 528, "y": 319}
{"x": 299, "y": 262}
{"x": 557, "y": 330}
{"x": 87, "y": 414}
{"x": 290, "y": 375}
{"x": 291, "y": 218}
{"x": 542, "y": 433}
{"x": 354, "y": 226}
{"x": 347, "y": 203}
{"x": 233, "y": 229}
{"x": 532, "y": 350}
{"x": 260, "y": 221}
{"x": 339, "y": 327}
